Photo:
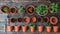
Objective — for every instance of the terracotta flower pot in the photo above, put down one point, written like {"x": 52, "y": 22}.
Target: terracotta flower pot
{"x": 40, "y": 28}
{"x": 40, "y": 19}
{"x": 17, "y": 28}
{"x": 5, "y": 9}
{"x": 53, "y": 20}
{"x": 13, "y": 20}
{"x": 26, "y": 19}
{"x": 20, "y": 19}
{"x": 13, "y": 10}
{"x": 30, "y": 9}
{"x": 33, "y": 19}
{"x": 32, "y": 29}
{"x": 24, "y": 28}
{"x": 55, "y": 28}
{"x": 10, "y": 28}
{"x": 48, "y": 28}
{"x": 46, "y": 19}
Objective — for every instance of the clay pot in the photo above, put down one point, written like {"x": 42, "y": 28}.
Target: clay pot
{"x": 19, "y": 19}
{"x": 26, "y": 19}
{"x": 17, "y": 28}
{"x": 30, "y": 9}
{"x": 33, "y": 19}
{"x": 53, "y": 20}
{"x": 24, "y": 28}
{"x": 13, "y": 10}
{"x": 32, "y": 29}
{"x": 46, "y": 19}
{"x": 48, "y": 28}
{"x": 10, "y": 28}
{"x": 5, "y": 9}
{"x": 13, "y": 20}
{"x": 40, "y": 19}
{"x": 55, "y": 28}
{"x": 40, "y": 28}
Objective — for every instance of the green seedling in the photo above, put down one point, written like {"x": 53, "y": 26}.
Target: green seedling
{"x": 48, "y": 24}
{"x": 32, "y": 24}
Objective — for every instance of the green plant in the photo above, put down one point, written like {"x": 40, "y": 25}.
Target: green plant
{"x": 5, "y": 9}
{"x": 32, "y": 24}
{"x": 54, "y": 7}
{"x": 42, "y": 9}
{"x": 21, "y": 9}
{"x": 48, "y": 24}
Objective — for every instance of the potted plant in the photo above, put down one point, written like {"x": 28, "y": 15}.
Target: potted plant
{"x": 13, "y": 10}
{"x": 32, "y": 27}
{"x": 48, "y": 27}
{"x": 26, "y": 19}
{"x": 30, "y": 9}
{"x": 10, "y": 28}
{"x": 42, "y": 10}
{"x": 54, "y": 8}
{"x": 40, "y": 28}
{"x": 33, "y": 19}
{"x": 55, "y": 28}
{"x": 24, "y": 28}
{"x": 21, "y": 9}
{"x": 53, "y": 20}
{"x": 17, "y": 28}
{"x": 5, "y": 9}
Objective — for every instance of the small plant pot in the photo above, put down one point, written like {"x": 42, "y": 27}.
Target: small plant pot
{"x": 13, "y": 20}
{"x": 17, "y": 28}
{"x": 24, "y": 28}
{"x": 33, "y": 19}
{"x": 26, "y": 19}
{"x": 46, "y": 19}
{"x": 48, "y": 28}
{"x": 40, "y": 28}
{"x": 53, "y": 20}
{"x": 10, "y": 28}
{"x": 5, "y": 9}
{"x": 40, "y": 19}
{"x": 19, "y": 19}
{"x": 13, "y": 10}
{"x": 55, "y": 28}
{"x": 32, "y": 29}
{"x": 30, "y": 9}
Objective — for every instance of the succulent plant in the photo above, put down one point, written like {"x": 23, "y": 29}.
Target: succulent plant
{"x": 54, "y": 7}
{"x": 21, "y": 9}
{"x": 5, "y": 9}
{"x": 42, "y": 9}
{"x": 48, "y": 24}
{"x": 32, "y": 24}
